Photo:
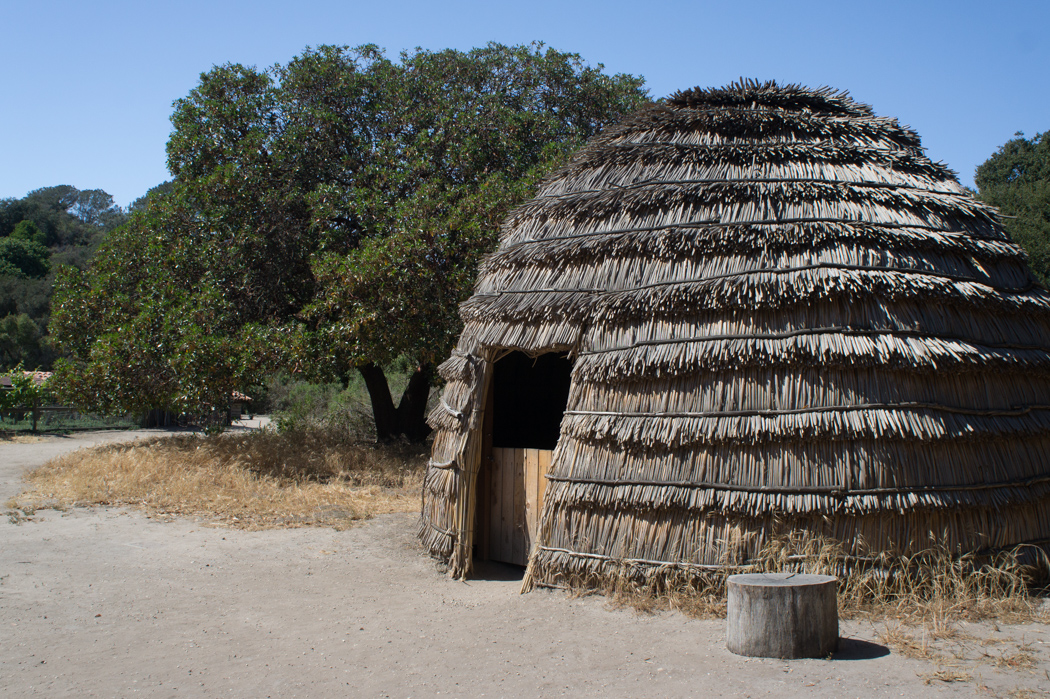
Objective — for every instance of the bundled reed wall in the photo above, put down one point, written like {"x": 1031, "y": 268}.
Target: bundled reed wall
{"x": 783, "y": 318}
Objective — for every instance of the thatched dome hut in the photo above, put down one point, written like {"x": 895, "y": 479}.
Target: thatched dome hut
{"x": 746, "y": 312}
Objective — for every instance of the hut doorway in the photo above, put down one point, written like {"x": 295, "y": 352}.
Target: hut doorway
{"x": 526, "y": 402}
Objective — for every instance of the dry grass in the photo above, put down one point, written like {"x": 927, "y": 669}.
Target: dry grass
{"x": 904, "y": 642}
{"x": 1026, "y": 693}
{"x": 1023, "y": 659}
{"x": 947, "y": 674}
{"x": 696, "y": 597}
{"x": 9, "y": 437}
{"x": 932, "y": 589}
{"x": 254, "y": 480}
{"x": 1015, "y": 693}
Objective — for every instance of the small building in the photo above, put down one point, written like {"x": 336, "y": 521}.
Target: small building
{"x": 238, "y": 402}
{"x": 40, "y": 378}
{"x": 743, "y": 313}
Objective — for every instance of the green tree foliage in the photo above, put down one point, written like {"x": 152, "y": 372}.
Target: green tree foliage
{"x": 1017, "y": 180}
{"x": 28, "y": 231}
{"x": 142, "y": 203}
{"x": 150, "y": 325}
{"x": 25, "y": 296}
{"x": 66, "y": 215}
{"x": 23, "y": 393}
{"x": 44, "y": 230}
{"x": 22, "y": 342}
{"x": 340, "y": 203}
{"x": 23, "y": 258}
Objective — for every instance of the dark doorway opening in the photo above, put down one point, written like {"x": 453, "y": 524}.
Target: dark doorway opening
{"x": 529, "y": 399}
{"x": 526, "y": 402}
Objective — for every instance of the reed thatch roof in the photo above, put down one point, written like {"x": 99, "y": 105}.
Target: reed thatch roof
{"x": 783, "y": 317}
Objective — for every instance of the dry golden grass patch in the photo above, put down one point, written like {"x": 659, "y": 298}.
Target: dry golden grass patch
{"x": 932, "y": 590}
{"x": 251, "y": 480}
{"x": 7, "y": 437}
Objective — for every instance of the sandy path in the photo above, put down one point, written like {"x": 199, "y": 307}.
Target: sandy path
{"x": 110, "y": 603}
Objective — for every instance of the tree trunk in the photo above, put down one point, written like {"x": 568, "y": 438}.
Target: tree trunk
{"x": 382, "y": 405}
{"x": 412, "y": 410}
{"x": 782, "y": 615}
{"x": 409, "y": 418}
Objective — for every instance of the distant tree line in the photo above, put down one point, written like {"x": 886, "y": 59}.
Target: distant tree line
{"x": 40, "y": 232}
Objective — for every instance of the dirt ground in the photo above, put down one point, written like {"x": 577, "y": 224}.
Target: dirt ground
{"x": 109, "y": 603}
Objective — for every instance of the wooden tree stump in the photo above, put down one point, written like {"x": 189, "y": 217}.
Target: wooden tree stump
{"x": 782, "y": 615}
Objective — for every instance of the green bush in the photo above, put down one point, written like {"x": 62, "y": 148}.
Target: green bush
{"x": 297, "y": 405}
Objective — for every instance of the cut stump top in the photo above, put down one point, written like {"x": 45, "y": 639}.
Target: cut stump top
{"x": 780, "y": 579}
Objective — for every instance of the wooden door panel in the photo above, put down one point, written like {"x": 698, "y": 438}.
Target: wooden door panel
{"x": 507, "y": 531}
{"x": 519, "y": 538}
{"x": 513, "y": 492}
{"x": 481, "y": 513}
{"x": 532, "y": 492}
{"x": 495, "y": 500}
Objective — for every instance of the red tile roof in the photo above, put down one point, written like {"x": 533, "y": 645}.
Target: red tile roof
{"x": 39, "y": 378}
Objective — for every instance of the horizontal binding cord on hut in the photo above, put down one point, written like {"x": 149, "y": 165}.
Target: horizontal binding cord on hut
{"x": 657, "y": 154}
{"x": 844, "y": 559}
{"x": 839, "y": 491}
{"x": 755, "y": 292}
{"x": 743, "y": 243}
{"x": 729, "y": 501}
{"x": 760, "y": 181}
{"x": 877, "y": 204}
{"x": 599, "y": 268}
{"x": 961, "y": 236}
{"x": 888, "y": 353}
{"x": 831, "y": 329}
{"x": 674, "y": 242}
{"x": 779, "y": 270}
{"x": 771, "y": 234}
{"x": 914, "y": 426}
{"x": 1016, "y": 411}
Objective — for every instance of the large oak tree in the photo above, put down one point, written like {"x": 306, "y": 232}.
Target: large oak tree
{"x": 327, "y": 215}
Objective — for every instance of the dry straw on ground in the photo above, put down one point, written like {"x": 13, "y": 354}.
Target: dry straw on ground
{"x": 256, "y": 480}
{"x": 931, "y": 589}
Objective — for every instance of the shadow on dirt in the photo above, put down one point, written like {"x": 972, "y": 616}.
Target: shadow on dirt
{"x": 499, "y": 572}
{"x": 856, "y": 649}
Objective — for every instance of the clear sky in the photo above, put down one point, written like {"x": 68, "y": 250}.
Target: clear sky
{"x": 87, "y": 87}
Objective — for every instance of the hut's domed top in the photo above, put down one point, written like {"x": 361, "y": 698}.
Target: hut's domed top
{"x": 752, "y": 196}
{"x": 750, "y": 94}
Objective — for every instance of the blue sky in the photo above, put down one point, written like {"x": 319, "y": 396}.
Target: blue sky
{"x": 88, "y": 87}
